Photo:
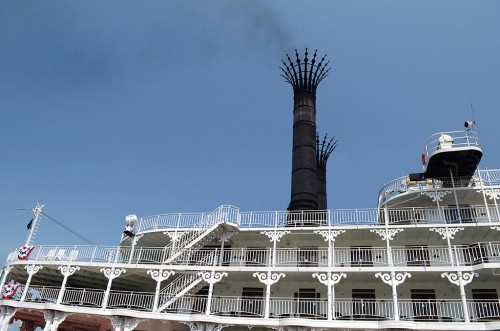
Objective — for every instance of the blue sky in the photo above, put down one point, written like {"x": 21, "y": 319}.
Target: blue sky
{"x": 115, "y": 107}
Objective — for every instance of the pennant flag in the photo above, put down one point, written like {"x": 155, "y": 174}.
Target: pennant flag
{"x": 24, "y": 252}
{"x": 9, "y": 290}
{"x": 29, "y": 224}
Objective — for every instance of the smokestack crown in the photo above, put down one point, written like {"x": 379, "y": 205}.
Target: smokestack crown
{"x": 304, "y": 75}
{"x": 324, "y": 149}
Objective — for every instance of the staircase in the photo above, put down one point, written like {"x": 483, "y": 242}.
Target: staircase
{"x": 208, "y": 228}
{"x": 185, "y": 284}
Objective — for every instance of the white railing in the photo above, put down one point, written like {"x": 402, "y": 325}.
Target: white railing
{"x": 301, "y": 308}
{"x": 360, "y": 257}
{"x": 431, "y": 310}
{"x": 83, "y": 297}
{"x": 483, "y": 310}
{"x": 131, "y": 300}
{"x": 418, "y": 310}
{"x": 428, "y": 256}
{"x": 363, "y": 309}
{"x": 457, "y": 139}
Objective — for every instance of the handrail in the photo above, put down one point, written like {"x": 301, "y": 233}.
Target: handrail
{"x": 420, "y": 310}
{"x": 472, "y": 253}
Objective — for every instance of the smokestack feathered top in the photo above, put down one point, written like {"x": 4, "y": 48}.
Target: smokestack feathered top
{"x": 303, "y": 75}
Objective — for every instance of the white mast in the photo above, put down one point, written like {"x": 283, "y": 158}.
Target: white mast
{"x": 34, "y": 225}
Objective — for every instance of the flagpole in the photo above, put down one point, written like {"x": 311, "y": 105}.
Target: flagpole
{"x": 36, "y": 213}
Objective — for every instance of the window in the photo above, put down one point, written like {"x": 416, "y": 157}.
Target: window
{"x": 424, "y": 304}
{"x": 307, "y": 257}
{"x": 361, "y": 256}
{"x": 486, "y": 304}
{"x": 417, "y": 256}
{"x": 255, "y": 256}
{"x": 251, "y": 301}
{"x": 363, "y": 302}
{"x": 306, "y": 300}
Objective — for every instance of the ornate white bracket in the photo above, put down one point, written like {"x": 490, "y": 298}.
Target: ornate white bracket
{"x": 275, "y": 235}
{"x": 386, "y": 233}
{"x": 67, "y": 271}
{"x": 329, "y": 235}
{"x": 212, "y": 277}
{"x": 174, "y": 236}
{"x": 226, "y": 235}
{"x": 334, "y": 278}
{"x": 54, "y": 318}
{"x": 268, "y": 277}
{"x": 202, "y": 326}
{"x": 497, "y": 228}
{"x": 160, "y": 275}
{"x": 389, "y": 279}
{"x": 112, "y": 273}
{"x": 465, "y": 277}
{"x": 33, "y": 269}
{"x": 436, "y": 195}
{"x": 446, "y": 232}
{"x": 492, "y": 194}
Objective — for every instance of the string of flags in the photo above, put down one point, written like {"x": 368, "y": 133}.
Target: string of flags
{"x": 24, "y": 252}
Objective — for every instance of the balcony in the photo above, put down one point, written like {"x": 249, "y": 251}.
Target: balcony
{"x": 440, "y": 310}
{"x": 359, "y": 257}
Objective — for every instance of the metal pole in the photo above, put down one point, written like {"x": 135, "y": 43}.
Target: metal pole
{"x": 36, "y": 213}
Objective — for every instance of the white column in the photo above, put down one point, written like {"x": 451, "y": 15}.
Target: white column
{"x": 393, "y": 280}
{"x": 135, "y": 239}
{"x": 224, "y": 238}
{"x": 448, "y": 234}
{"x": 31, "y": 269}
{"x": 330, "y": 279}
{"x": 159, "y": 276}
{"x": 211, "y": 277}
{"x": 110, "y": 273}
{"x": 66, "y": 271}
{"x": 268, "y": 279}
{"x": 6, "y": 271}
{"x": 6, "y": 314}
{"x": 53, "y": 319}
{"x": 274, "y": 236}
{"x": 461, "y": 279}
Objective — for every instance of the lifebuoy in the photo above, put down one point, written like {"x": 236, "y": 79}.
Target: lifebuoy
{"x": 423, "y": 158}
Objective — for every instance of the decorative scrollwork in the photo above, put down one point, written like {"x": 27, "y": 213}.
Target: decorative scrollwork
{"x": 387, "y": 233}
{"x": 446, "y": 232}
{"x": 393, "y": 278}
{"x": 329, "y": 235}
{"x": 160, "y": 275}
{"x": 131, "y": 323}
{"x": 174, "y": 236}
{"x": 400, "y": 278}
{"x": 436, "y": 195}
{"x": 212, "y": 277}
{"x": 275, "y": 235}
{"x": 465, "y": 277}
{"x": 497, "y": 228}
{"x": 468, "y": 276}
{"x": 33, "y": 269}
{"x": 268, "y": 277}
{"x": 492, "y": 194}
{"x": 326, "y": 278}
{"x": 112, "y": 273}
{"x": 67, "y": 271}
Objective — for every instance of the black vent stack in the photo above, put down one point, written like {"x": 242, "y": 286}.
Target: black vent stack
{"x": 304, "y": 74}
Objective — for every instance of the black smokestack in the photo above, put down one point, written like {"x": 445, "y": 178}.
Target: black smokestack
{"x": 304, "y": 76}
{"x": 323, "y": 151}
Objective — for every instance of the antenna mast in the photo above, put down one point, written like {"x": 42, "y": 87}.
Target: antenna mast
{"x": 34, "y": 226}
